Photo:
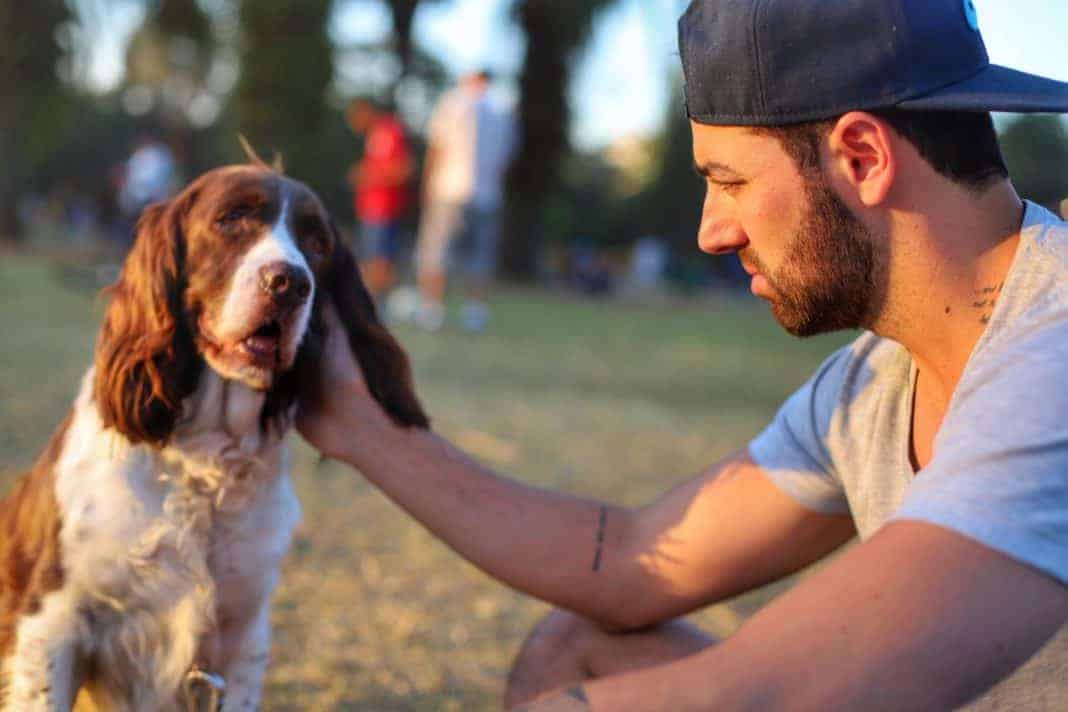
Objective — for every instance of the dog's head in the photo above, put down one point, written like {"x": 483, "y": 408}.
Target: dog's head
{"x": 231, "y": 275}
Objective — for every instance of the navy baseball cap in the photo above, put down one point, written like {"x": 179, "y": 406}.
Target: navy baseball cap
{"x": 773, "y": 62}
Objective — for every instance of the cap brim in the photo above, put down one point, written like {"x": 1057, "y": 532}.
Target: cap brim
{"x": 997, "y": 88}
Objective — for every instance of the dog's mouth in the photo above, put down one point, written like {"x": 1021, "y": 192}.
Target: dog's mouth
{"x": 255, "y": 358}
{"x": 263, "y": 343}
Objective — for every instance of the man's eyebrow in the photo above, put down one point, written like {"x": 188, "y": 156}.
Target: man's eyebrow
{"x": 706, "y": 169}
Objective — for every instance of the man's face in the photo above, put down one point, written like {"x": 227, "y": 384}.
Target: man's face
{"x": 359, "y": 115}
{"x": 807, "y": 254}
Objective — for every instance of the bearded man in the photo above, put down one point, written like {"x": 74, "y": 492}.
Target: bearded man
{"x": 852, "y": 165}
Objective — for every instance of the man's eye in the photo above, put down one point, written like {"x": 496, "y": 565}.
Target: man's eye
{"x": 727, "y": 186}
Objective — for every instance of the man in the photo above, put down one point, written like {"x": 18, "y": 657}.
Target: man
{"x": 379, "y": 183}
{"x": 851, "y": 165}
{"x": 470, "y": 143}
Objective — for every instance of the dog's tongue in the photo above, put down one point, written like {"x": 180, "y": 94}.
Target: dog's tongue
{"x": 262, "y": 345}
{"x": 264, "y": 341}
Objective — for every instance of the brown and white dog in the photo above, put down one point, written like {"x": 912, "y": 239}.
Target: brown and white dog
{"x": 147, "y": 539}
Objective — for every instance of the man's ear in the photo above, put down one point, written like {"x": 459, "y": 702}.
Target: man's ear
{"x": 864, "y": 154}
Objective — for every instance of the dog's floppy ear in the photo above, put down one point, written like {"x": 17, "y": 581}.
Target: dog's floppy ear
{"x": 383, "y": 362}
{"x": 146, "y": 362}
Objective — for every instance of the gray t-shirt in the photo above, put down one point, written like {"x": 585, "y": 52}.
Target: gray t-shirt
{"x": 999, "y": 473}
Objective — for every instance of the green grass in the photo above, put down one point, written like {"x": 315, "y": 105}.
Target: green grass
{"x": 604, "y": 399}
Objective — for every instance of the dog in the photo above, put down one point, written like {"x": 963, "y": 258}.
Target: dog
{"x": 138, "y": 556}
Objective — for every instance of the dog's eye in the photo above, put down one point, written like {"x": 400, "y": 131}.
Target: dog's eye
{"x": 317, "y": 244}
{"x": 314, "y": 237}
{"x": 233, "y": 215}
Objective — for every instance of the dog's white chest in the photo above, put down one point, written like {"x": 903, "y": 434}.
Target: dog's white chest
{"x": 170, "y": 555}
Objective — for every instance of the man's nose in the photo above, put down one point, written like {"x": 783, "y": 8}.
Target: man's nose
{"x": 720, "y": 232}
{"x": 720, "y": 236}
{"x": 286, "y": 284}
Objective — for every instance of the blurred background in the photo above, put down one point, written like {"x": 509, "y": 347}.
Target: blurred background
{"x": 619, "y": 359}
{"x": 603, "y": 149}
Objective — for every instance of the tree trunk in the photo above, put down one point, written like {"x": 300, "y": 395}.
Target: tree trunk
{"x": 554, "y": 30}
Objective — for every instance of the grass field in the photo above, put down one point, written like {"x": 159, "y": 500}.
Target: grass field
{"x": 604, "y": 399}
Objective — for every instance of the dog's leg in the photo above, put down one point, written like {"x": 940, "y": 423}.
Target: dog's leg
{"x": 249, "y": 646}
{"x": 42, "y": 671}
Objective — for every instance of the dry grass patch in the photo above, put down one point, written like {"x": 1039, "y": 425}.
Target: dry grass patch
{"x": 600, "y": 399}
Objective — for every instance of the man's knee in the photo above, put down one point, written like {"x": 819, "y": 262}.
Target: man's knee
{"x": 565, "y": 649}
{"x": 554, "y": 654}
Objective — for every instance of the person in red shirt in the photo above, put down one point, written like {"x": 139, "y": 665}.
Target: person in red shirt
{"x": 379, "y": 184}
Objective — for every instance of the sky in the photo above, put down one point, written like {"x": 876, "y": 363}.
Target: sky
{"x": 623, "y": 80}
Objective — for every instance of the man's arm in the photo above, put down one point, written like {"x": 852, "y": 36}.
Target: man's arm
{"x": 918, "y": 617}
{"x": 720, "y": 534}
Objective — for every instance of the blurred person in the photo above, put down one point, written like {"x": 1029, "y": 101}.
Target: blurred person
{"x": 851, "y": 163}
{"x": 379, "y": 181}
{"x": 147, "y": 176}
{"x": 471, "y": 138}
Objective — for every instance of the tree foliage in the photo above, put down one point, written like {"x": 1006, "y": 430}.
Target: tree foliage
{"x": 402, "y": 13}
{"x": 1035, "y": 147}
{"x": 168, "y": 59}
{"x": 175, "y": 37}
{"x": 33, "y": 101}
{"x": 279, "y": 102}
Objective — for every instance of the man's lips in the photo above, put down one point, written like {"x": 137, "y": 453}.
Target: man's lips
{"x": 758, "y": 284}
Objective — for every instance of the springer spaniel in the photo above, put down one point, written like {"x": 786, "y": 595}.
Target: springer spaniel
{"x": 138, "y": 556}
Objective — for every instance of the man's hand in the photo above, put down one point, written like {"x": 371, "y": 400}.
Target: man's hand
{"x": 340, "y": 389}
{"x": 572, "y": 699}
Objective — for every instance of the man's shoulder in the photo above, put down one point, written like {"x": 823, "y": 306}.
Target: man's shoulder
{"x": 858, "y": 376}
{"x": 1034, "y": 297}
{"x": 868, "y": 356}
{"x": 1043, "y": 239}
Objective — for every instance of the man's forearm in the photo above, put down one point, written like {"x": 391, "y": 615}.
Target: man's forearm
{"x": 905, "y": 620}
{"x": 557, "y": 547}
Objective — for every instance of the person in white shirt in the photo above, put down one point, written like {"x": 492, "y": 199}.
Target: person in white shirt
{"x": 471, "y": 138}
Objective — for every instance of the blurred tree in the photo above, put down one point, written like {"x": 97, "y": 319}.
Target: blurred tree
{"x": 403, "y": 14}
{"x": 1036, "y": 150}
{"x": 670, "y": 206}
{"x": 170, "y": 55}
{"x": 33, "y": 100}
{"x": 370, "y": 69}
{"x": 555, "y": 31}
{"x": 168, "y": 60}
{"x": 279, "y": 102}
{"x": 175, "y": 39}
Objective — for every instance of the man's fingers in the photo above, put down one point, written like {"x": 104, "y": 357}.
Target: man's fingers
{"x": 339, "y": 364}
{"x": 570, "y": 700}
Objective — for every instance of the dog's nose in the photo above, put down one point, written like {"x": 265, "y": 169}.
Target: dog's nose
{"x": 286, "y": 284}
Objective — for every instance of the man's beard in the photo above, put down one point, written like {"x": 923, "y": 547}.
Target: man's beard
{"x": 827, "y": 278}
